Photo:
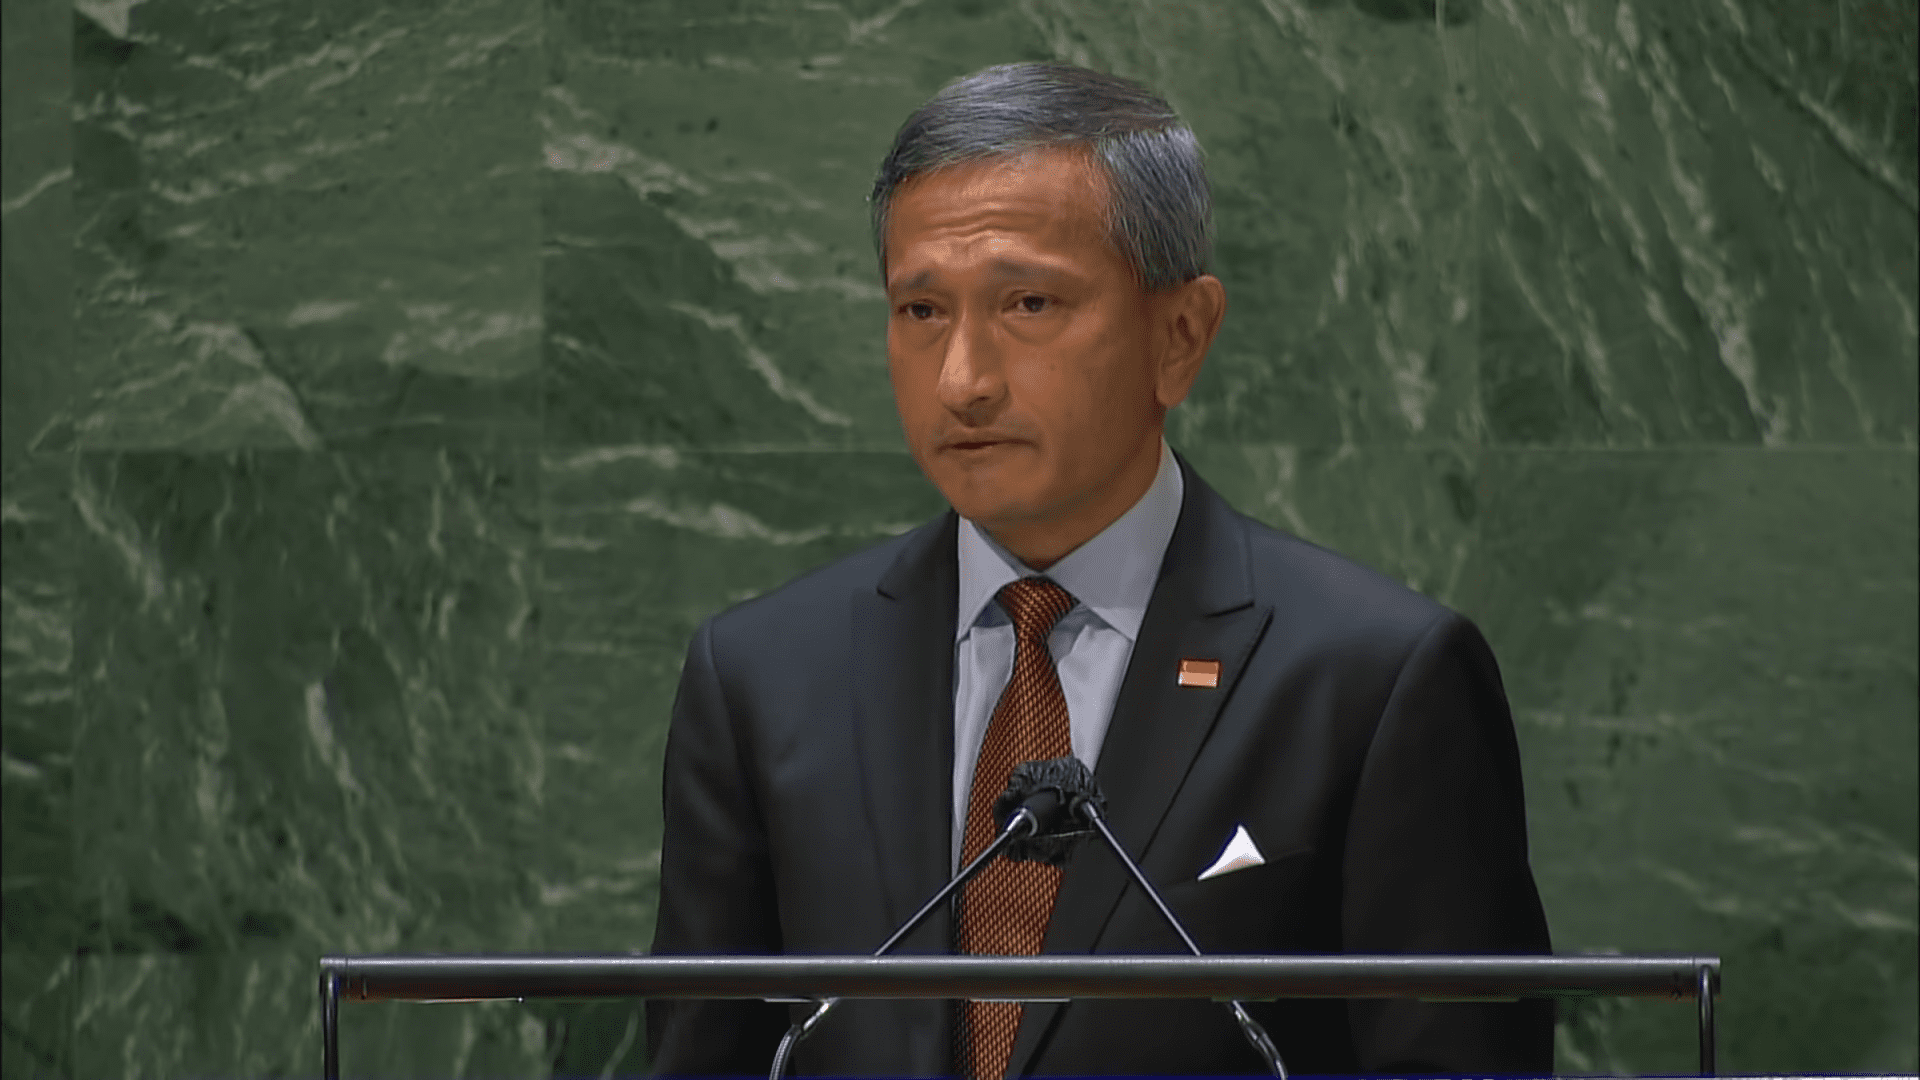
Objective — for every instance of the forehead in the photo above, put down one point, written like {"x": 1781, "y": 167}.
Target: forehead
{"x": 1047, "y": 201}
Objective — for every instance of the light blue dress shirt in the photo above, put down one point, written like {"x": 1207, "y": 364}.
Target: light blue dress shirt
{"x": 1111, "y": 578}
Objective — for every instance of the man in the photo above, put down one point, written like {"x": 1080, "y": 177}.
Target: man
{"x": 1305, "y": 756}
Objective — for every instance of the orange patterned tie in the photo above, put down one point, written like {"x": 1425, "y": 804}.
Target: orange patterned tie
{"x": 1005, "y": 910}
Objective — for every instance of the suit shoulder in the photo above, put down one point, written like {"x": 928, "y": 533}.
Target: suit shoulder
{"x": 799, "y": 605}
{"x": 1335, "y": 591}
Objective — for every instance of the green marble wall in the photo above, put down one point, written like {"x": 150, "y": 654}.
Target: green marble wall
{"x": 390, "y": 389}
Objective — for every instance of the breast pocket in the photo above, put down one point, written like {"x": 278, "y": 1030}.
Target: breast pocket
{"x": 1259, "y": 909}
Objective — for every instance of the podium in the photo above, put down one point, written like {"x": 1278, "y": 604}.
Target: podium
{"x": 1030, "y": 978}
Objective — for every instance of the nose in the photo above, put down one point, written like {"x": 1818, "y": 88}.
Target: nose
{"x": 973, "y": 384}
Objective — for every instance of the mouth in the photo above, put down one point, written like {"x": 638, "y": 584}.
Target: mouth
{"x": 976, "y": 444}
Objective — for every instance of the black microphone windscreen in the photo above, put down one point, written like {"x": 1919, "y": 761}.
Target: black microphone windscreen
{"x": 1053, "y": 791}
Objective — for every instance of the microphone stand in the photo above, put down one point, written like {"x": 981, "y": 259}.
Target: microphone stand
{"x": 1023, "y": 822}
{"x": 1255, "y": 1034}
{"x": 1052, "y": 786}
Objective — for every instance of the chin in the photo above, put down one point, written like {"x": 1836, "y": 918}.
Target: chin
{"x": 989, "y": 514}
{"x": 987, "y": 491}
{"x": 987, "y": 508}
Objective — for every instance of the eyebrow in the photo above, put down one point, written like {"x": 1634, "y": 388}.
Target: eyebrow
{"x": 1001, "y": 269}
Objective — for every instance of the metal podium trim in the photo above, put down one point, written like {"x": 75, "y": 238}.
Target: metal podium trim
{"x": 1449, "y": 978}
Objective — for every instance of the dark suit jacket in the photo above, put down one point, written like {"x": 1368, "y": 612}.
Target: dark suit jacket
{"x": 1359, "y": 732}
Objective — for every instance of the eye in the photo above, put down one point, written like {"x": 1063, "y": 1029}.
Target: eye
{"x": 1034, "y": 305}
{"x": 919, "y": 309}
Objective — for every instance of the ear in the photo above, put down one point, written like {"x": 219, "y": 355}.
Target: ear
{"x": 1189, "y": 316}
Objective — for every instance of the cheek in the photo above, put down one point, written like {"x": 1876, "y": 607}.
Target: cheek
{"x": 900, "y": 368}
{"x": 913, "y": 394}
{"x": 1098, "y": 389}
{"x": 1078, "y": 411}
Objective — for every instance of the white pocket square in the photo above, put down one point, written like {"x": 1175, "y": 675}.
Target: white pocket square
{"x": 1240, "y": 854}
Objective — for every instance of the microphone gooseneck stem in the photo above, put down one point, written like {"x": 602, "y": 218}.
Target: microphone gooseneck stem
{"x": 1093, "y": 814}
{"x": 1256, "y": 1035}
{"x": 1022, "y": 823}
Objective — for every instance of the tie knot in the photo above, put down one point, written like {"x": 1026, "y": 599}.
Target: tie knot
{"x": 1035, "y": 604}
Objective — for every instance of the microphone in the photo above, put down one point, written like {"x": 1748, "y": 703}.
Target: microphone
{"x": 1053, "y": 790}
{"x": 1037, "y": 815}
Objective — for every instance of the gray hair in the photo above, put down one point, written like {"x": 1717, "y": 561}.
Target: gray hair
{"x": 1159, "y": 209}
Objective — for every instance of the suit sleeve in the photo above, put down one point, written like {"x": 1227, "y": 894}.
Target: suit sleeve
{"x": 1436, "y": 862}
{"x": 716, "y": 880}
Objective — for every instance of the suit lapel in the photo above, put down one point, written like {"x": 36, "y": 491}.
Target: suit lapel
{"x": 903, "y": 722}
{"x": 1202, "y": 608}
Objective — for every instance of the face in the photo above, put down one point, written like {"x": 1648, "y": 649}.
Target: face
{"x": 1031, "y": 371}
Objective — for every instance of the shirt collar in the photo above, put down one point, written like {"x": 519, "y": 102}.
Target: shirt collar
{"x": 1112, "y": 574}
